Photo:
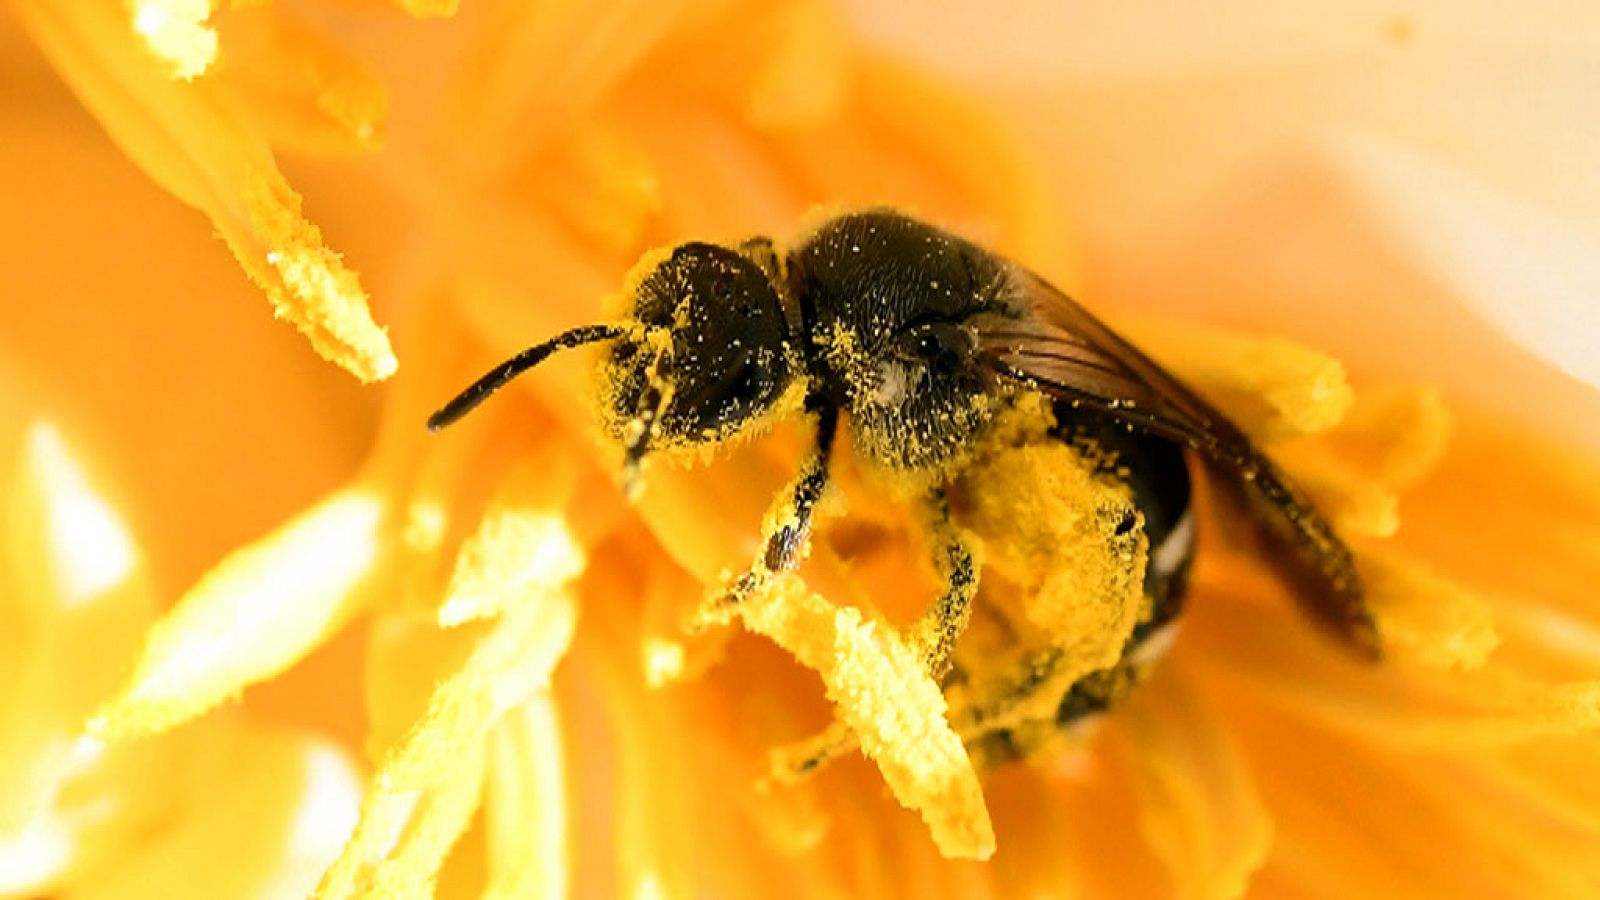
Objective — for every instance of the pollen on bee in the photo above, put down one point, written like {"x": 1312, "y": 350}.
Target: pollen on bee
{"x": 1063, "y": 567}
{"x": 176, "y": 31}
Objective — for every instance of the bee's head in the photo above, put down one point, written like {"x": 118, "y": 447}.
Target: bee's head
{"x": 708, "y": 352}
{"x": 703, "y": 352}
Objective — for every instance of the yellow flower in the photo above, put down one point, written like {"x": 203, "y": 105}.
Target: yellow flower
{"x": 298, "y": 579}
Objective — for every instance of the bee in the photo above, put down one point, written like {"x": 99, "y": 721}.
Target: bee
{"x": 923, "y": 340}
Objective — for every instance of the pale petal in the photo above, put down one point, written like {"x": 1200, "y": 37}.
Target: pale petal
{"x": 306, "y": 93}
{"x": 455, "y": 686}
{"x": 276, "y": 809}
{"x": 526, "y": 804}
{"x": 1045, "y": 42}
{"x": 76, "y": 601}
{"x": 253, "y": 616}
{"x": 402, "y": 837}
{"x": 1531, "y": 270}
{"x": 1260, "y": 220}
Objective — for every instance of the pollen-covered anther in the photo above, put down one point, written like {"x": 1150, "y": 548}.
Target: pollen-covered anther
{"x": 309, "y": 284}
{"x": 1426, "y": 619}
{"x": 883, "y": 693}
{"x": 1272, "y": 387}
{"x": 251, "y": 616}
{"x": 176, "y": 31}
{"x": 516, "y": 556}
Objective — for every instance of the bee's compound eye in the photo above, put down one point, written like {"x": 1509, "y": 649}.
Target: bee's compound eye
{"x": 745, "y": 387}
{"x": 943, "y": 345}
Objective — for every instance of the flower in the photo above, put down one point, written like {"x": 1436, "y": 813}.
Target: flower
{"x": 481, "y": 619}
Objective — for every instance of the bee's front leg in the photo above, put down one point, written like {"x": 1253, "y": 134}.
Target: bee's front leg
{"x": 787, "y": 525}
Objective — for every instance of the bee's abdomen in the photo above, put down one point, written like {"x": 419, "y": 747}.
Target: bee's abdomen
{"x": 1158, "y": 476}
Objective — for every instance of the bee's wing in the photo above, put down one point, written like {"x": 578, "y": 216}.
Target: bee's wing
{"x": 1061, "y": 349}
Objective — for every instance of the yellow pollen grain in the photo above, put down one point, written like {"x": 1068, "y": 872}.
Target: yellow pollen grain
{"x": 884, "y": 694}
{"x": 177, "y": 33}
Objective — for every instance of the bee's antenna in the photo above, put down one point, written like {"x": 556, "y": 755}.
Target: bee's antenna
{"x": 497, "y": 377}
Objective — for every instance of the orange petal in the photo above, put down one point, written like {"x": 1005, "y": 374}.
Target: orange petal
{"x": 1274, "y": 655}
{"x": 277, "y": 808}
{"x": 1198, "y": 803}
{"x": 306, "y": 93}
{"x": 525, "y": 804}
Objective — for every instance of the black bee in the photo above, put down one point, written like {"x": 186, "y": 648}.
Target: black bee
{"x": 924, "y": 338}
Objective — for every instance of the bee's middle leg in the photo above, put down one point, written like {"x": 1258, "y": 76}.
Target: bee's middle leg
{"x": 935, "y": 633}
{"x": 933, "y": 637}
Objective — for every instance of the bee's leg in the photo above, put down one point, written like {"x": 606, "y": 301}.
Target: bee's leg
{"x": 789, "y": 522}
{"x": 1032, "y": 688}
{"x": 934, "y": 635}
